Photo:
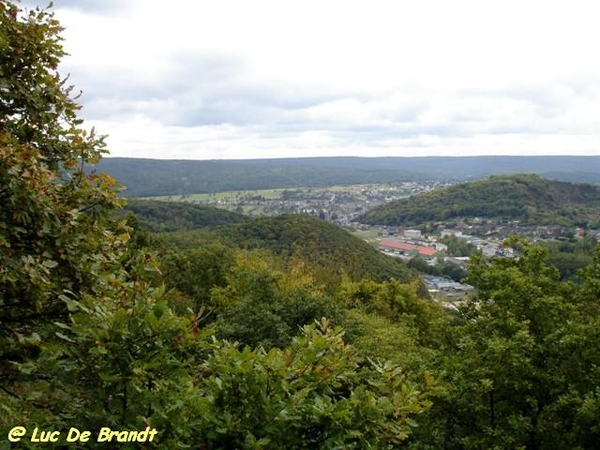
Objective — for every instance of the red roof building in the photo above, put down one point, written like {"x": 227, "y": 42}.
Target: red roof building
{"x": 408, "y": 248}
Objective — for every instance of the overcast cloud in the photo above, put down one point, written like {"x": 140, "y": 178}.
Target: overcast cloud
{"x": 252, "y": 79}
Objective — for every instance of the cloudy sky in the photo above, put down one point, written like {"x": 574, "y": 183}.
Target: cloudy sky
{"x": 221, "y": 79}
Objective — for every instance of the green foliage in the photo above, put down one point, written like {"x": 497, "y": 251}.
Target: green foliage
{"x": 87, "y": 337}
{"x": 173, "y": 216}
{"x": 316, "y": 394}
{"x": 394, "y": 301}
{"x": 195, "y": 272}
{"x": 263, "y": 304}
{"x": 36, "y": 109}
{"x": 441, "y": 269}
{"x": 527, "y": 198}
{"x": 419, "y": 264}
{"x": 326, "y": 250}
{"x": 56, "y": 244}
{"x": 458, "y": 247}
{"x": 570, "y": 257}
{"x": 329, "y": 249}
{"x": 521, "y": 372}
{"x": 123, "y": 365}
{"x": 384, "y": 338}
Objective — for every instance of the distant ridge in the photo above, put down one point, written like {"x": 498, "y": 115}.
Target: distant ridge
{"x": 152, "y": 177}
{"x": 527, "y": 198}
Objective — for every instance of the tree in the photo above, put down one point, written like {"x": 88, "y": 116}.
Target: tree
{"x": 522, "y": 372}
{"x": 315, "y": 394}
{"x": 80, "y": 311}
{"x": 54, "y": 240}
{"x": 196, "y": 271}
{"x": 265, "y": 304}
{"x": 86, "y": 336}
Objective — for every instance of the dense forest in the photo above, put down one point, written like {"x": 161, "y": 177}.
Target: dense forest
{"x": 219, "y": 332}
{"x": 152, "y": 178}
{"x": 318, "y": 243}
{"x": 173, "y": 216}
{"x": 330, "y": 251}
{"x": 529, "y": 199}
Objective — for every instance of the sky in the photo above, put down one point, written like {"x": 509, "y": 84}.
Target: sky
{"x": 196, "y": 79}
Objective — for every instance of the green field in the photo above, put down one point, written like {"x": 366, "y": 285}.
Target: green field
{"x": 229, "y": 196}
{"x": 335, "y": 200}
{"x": 356, "y": 191}
{"x": 371, "y": 236}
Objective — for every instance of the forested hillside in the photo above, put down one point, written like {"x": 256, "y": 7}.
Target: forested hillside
{"x": 248, "y": 334}
{"x": 328, "y": 249}
{"x": 153, "y": 178}
{"x": 150, "y": 178}
{"x": 319, "y": 243}
{"x": 172, "y": 216}
{"x": 525, "y": 198}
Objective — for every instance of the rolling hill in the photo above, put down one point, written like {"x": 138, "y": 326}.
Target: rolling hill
{"x": 150, "y": 178}
{"x": 175, "y": 216}
{"x": 527, "y": 198}
{"x": 322, "y": 245}
{"x": 319, "y": 243}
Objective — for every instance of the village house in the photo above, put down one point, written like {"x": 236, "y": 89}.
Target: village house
{"x": 412, "y": 234}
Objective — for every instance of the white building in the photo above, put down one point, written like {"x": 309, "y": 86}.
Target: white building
{"x": 412, "y": 234}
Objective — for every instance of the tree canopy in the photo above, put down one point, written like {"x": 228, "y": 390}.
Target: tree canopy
{"x": 251, "y": 347}
{"x": 89, "y": 335}
{"x": 523, "y": 197}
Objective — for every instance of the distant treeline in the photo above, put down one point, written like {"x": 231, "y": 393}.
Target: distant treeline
{"x": 148, "y": 177}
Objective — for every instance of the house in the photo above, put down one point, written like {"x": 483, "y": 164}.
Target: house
{"x": 412, "y": 234}
{"x": 456, "y": 233}
{"x": 440, "y": 247}
{"x": 460, "y": 261}
{"x": 451, "y": 288}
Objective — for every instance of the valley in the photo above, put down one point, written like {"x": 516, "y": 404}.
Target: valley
{"x": 287, "y": 303}
{"x": 338, "y": 204}
{"x": 414, "y": 221}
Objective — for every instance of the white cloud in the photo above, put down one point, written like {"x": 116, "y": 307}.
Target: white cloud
{"x": 238, "y": 79}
